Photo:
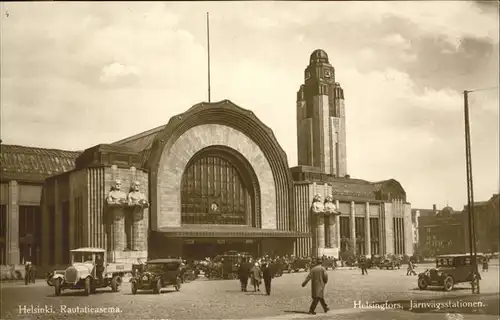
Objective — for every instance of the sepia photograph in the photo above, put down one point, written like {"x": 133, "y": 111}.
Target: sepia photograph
{"x": 250, "y": 160}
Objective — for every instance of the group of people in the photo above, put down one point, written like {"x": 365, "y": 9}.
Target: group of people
{"x": 261, "y": 270}
{"x": 256, "y": 272}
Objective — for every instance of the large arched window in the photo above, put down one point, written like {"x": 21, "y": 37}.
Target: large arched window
{"x": 214, "y": 191}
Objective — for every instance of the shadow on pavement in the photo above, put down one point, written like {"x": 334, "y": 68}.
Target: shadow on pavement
{"x": 441, "y": 289}
{"x": 78, "y": 293}
{"x": 149, "y": 292}
{"x": 296, "y": 311}
{"x": 482, "y": 304}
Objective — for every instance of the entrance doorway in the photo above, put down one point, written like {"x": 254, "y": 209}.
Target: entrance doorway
{"x": 200, "y": 249}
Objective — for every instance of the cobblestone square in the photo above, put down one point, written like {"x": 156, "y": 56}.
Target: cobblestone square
{"x": 222, "y": 299}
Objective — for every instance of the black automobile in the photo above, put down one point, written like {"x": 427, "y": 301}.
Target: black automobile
{"x": 329, "y": 263}
{"x": 296, "y": 264}
{"x": 158, "y": 274}
{"x": 450, "y": 270}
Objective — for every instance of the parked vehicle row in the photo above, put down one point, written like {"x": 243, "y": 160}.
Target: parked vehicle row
{"x": 89, "y": 271}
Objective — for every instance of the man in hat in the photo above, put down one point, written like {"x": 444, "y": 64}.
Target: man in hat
{"x": 319, "y": 279}
{"x": 244, "y": 274}
{"x": 267, "y": 274}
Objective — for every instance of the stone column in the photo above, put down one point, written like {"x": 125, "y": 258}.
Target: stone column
{"x": 337, "y": 225}
{"x": 368, "y": 242}
{"x": 320, "y": 232}
{"x": 12, "y": 232}
{"x": 332, "y": 228}
{"x": 138, "y": 233}
{"x": 352, "y": 223}
{"x": 119, "y": 240}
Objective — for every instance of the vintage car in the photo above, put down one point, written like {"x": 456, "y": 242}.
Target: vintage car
{"x": 158, "y": 274}
{"x": 329, "y": 263}
{"x": 89, "y": 271}
{"x": 296, "y": 264}
{"x": 390, "y": 264}
{"x": 226, "y": 266}
{"x": 450, "y": 270}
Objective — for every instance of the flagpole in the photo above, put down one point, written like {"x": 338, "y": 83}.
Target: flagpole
{"x": 208, "y": 51}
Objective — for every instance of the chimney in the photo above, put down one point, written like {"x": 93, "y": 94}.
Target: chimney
{"x": 434, "y": 208}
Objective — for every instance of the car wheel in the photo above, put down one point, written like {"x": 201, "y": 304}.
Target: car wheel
{"x": 87, "y": 286}
{"x": 157, "y": 288}
{"x": 422, "y": 284}
{"x": 115, "y": 284}
{"x": 134, "y": 287}
{"x": 448, "y": 283}
{"x": 57, "y": 286}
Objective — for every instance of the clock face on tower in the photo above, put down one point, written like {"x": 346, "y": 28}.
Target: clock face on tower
{"x": 307, "y": 75}
{"x": 327, "y": 74}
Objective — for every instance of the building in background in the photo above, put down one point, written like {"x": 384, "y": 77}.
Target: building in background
{"x": 215, "y": 179}
{"x": 441, "y": 232}
{"x": 447, "y": 231}
{"x": 487, "y": 225}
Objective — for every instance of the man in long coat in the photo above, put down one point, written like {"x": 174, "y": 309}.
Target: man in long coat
{"x": 267, "y": 274}
{"x": 318, "y": 278}
{"x": 244, "y": 274}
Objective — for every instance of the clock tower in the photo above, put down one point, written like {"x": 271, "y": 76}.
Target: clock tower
{"x": 321, "y": 118}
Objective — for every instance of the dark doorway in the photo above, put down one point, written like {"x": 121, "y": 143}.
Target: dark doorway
{"x": 201, "y": 249}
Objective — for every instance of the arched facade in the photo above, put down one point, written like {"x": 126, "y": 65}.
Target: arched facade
{"x": 238, "y": 131}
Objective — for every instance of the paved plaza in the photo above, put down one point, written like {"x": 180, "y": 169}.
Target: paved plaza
{"x": 222, "y": 299}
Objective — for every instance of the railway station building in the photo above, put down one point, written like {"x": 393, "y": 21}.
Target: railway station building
{"x": 212, "y": 179}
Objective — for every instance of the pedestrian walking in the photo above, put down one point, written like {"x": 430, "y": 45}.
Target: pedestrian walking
{"x": 411, "y": 269}
{"x": 256, "y": 275}
{"x": 267, "y": 274}
{"x": 244, "y": 274}
{"x": 363, "y": 264}
{"x": 485, "y": 263}
{"x": 319, "y": 279}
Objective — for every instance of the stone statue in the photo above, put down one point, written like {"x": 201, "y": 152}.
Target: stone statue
{"x": 116, "y": 197}
{"x": 318, "y": 205}
{"x": 330, "y": 207}
{"x": 137, "y": 198}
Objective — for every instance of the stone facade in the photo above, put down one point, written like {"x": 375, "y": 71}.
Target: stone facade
{"x": 385, "y": 211}
{"x": 176, "y": 157}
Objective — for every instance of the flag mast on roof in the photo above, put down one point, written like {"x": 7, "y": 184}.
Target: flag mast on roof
{"x": 208, "y": 51}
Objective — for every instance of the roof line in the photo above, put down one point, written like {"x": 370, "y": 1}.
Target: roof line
{"x": 139, "y": 135}
{"x": 38, "y": 148}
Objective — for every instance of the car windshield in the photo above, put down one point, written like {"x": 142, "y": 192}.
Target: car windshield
{"x": 444, "y": 262}
{"x": 162, "y": 267}
{"x": 82, "y": 257}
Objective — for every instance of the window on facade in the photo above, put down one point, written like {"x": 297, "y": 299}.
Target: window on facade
{"x": 345, "y": 232}
{"x": 213, "y": 192}
{"x": 52, "y": 235}
{"x": 65, "y": 233}
{"x": 375, "y": 236}
{"x": 3, "y": 234}
{"x": 79, "y": 223}
{"x": 398, "y": 232}
{"x": 360, "y": 235}
{"x": 30, "y": 229}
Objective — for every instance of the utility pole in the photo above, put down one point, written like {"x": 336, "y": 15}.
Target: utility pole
{"x": 208, "y": 52}
{"x": 470, "y": 199}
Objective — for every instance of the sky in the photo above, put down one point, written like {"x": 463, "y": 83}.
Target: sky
{"x": 74, "y": 75}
